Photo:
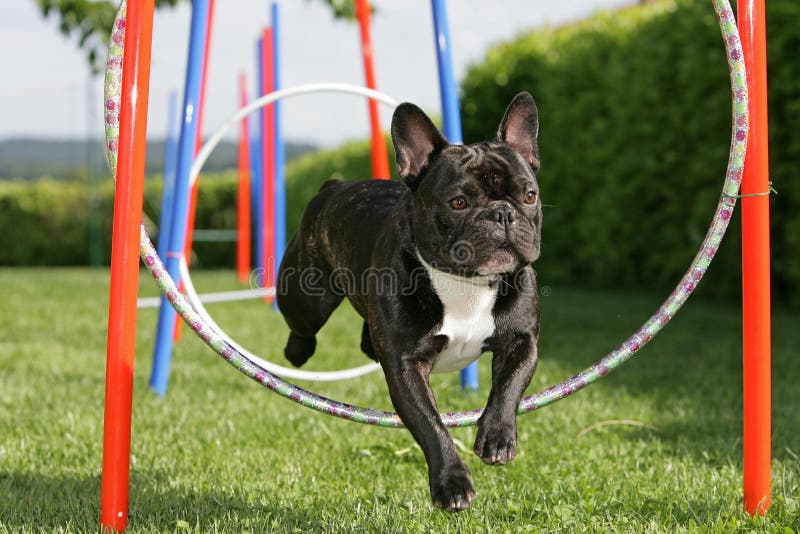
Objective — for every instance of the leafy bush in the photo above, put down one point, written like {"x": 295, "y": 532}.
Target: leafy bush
{"x": 635, "y": 122}
{"x": 32, "y": 212}
{"x": 635, "y": 126}
{"x": 46, "y": 222}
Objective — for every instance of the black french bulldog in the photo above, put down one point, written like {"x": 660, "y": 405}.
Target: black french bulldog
{"x": 440, "y": 270}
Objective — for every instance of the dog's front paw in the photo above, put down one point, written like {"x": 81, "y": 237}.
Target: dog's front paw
{"x": 451, "y": 488}
{"x": 496, "y": 443}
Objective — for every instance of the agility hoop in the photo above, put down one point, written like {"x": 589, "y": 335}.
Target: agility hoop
{"x": 194, "y": 175}
{"x": 213, "y": 337}
{"x": 286, "y": 372}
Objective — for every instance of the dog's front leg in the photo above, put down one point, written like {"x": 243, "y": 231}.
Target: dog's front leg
{"x": 450, "y": 484}
{"x": 512, "y": 368}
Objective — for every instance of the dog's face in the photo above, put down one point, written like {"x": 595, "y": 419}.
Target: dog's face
{"x": 476, "y": 208}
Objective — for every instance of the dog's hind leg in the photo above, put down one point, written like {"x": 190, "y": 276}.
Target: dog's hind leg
{"x": 306, "y": 300}
{"x": 305, "y": 316}
{"x": 366, "y": 343}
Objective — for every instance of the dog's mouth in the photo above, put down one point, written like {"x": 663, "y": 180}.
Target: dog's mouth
{"x": 504, "y": 259}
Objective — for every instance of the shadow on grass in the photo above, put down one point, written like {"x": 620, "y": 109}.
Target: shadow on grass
{"x": 50, "y": 503}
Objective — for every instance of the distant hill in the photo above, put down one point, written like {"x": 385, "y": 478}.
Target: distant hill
{"x": 64, "y": 159}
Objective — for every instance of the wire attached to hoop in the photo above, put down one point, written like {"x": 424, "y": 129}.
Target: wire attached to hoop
{"x": 770, "y": 191}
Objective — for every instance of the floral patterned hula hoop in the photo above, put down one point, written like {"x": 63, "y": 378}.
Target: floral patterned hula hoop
{"x": 606, "y": 364}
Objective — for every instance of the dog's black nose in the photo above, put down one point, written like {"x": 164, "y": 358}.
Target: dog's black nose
{"x": 503, "y": 215}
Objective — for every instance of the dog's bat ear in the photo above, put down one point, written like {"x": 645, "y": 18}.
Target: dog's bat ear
{"x": 520, "y": 128}
{"x": 416, "y": 140}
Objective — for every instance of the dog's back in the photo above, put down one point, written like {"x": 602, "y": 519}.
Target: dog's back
{"x": 341, "y": 213}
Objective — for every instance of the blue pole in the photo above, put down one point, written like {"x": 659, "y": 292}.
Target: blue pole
{"x": 255, "y": 177}
{"x": 170, "y": 160}
{"x": 451, "y": 117}
{"x": 258, "y": 178}
{"x": 162, "y": 353}
{"x": 280, "y": 154}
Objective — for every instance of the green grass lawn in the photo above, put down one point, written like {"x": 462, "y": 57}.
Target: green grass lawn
{"x": 219, "y": 453}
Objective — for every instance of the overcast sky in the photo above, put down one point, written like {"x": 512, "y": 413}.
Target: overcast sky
{"x": 46, "y": 84}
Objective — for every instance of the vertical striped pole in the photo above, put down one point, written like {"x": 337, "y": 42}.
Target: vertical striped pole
{"x": 162, "y": 354}
{"x": 170, "y": 160}
{"x": 121, "y": 342}
{"x": 756, "y": 315}
{"x": 380, "y": 159}
{"x": 451, "y": 117}
{"x": 243, "y": 223}
{"x": 279, "y": 150}
{"x": 268, "y": 174}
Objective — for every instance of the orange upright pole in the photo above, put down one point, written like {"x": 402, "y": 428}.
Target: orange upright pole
{"x": 756, "y": 266}
{"x": 121, "y": 342}
{"x": 380, "y": 159}
{"x": 243, "y": 193}
{"x": 268, "y": 150}
{"x": 190, "y": 220}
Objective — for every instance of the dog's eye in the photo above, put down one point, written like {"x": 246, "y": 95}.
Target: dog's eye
{"x": 458, "y": 203}
{"x": 530, "y": 197}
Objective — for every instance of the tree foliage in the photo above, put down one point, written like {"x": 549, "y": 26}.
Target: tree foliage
{"x": 91, "y": 20}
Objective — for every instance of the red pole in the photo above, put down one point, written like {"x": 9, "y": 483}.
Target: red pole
{"x": 380, "y": 159}
{"x": 756, "y": 266}
{"x": 268, "y": 149}
{"x": 121, "y": 342}
{"x": 243, "y": 193}
{"x": 192, "y": 210}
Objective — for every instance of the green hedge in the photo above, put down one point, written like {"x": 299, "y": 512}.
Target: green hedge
{"x": 635, "y": 122}
{"x": 32, "y": 212}
{"x": 46, "y": 222}
{"x": 635, "y": 126}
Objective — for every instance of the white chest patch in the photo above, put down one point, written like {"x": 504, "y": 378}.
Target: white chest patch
{"x": 467, "y": 321}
